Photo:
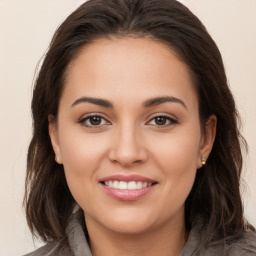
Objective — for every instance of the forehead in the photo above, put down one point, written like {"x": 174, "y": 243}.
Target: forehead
{"x": 138, "y": 68}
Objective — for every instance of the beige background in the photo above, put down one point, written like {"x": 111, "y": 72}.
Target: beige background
{"x": 26, "y": 28}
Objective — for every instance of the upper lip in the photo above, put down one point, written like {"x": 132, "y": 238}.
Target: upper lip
{"x": 127, "y": 178}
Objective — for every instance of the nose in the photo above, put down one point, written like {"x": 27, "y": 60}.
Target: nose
{"x": 127, "y": 147}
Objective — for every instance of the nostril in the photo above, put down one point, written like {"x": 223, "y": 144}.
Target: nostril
{"x": 127, "y": 152}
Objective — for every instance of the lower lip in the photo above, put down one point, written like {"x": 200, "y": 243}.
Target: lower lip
{"x": 127, "y": 194}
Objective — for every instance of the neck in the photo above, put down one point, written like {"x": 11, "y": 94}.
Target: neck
{"x": 165, "y": 240}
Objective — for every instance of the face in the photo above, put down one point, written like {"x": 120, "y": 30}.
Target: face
{"x": 128, "y": 134}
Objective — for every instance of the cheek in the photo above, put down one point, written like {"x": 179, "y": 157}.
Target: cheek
{"x": 176, "y": 156}
{"x": 82, "y": 155}
{"x": 178, "y": 149}
{"x": 81, "y": 151}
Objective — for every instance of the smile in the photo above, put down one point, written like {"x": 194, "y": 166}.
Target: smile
{"x": 127, "y": 188}
{"x": 131, "y": 185}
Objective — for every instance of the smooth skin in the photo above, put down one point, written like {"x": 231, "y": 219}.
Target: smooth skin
{"x": 111, "y": 121}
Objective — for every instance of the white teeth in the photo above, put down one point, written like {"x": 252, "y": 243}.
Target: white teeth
{"x": 139, "y": 185}
{"x": 123, "y": 185}
{"x": 131, "y": 185}
{"x": 115, "y": 184}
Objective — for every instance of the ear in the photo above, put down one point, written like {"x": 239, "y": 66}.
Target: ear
{"x": 207, "y": 139}
{"x": 53, "y": 132}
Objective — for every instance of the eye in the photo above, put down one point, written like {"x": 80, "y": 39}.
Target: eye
{"x": 162, "y": 121}
{"x": 94, "y": 121}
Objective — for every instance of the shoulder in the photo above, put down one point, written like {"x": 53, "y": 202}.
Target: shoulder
{"x": 51, "y": 249}
{"x": 245, "y": 246}
{"x": 76, "y": 240}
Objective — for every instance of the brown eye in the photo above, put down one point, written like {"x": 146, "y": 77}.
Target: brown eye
{"x": 162, "y": 121}
{"x": 94, "y": 121}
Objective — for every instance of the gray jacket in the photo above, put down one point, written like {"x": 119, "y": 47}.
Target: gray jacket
{"x": 78, "y": 245}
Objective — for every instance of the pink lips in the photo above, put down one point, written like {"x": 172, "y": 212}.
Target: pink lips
{"x": 127, "y": 194}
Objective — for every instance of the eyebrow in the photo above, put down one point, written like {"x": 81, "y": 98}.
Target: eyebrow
{"x": 148, "y": 103}
{"x": 96, "y": 101}
{"x": 160, "y": 100}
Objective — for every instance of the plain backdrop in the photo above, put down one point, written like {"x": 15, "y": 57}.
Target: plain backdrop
{"x": 26, "y": 28}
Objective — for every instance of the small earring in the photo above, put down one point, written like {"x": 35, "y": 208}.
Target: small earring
{"x": 57, "y": 159}
{"x": 203, "y": 160}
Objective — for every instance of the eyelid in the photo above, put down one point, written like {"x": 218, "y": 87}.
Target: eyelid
{"x": 173, "y": 120}
{"x": 93, "y": 114}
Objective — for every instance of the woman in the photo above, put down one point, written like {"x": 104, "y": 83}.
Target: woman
{"x": 136, "y": 148}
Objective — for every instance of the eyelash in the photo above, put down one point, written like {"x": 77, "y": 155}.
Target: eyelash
{"x": 83, "y": 121}
{"x": 89, "y": 118}
{"x": 166, "y": 118}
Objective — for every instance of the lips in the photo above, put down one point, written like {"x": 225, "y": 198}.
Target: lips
{"x": 130, "y": 187}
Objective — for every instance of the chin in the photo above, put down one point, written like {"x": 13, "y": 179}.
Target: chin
{"x": 130, "y": 223}
{"x": 131, "y": 228}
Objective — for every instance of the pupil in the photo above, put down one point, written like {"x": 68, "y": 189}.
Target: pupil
{"x": 161, "y": 120}
{"x": 95, "y": 120}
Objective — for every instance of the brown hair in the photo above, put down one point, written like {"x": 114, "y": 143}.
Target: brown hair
{"x": 215, "y": 197}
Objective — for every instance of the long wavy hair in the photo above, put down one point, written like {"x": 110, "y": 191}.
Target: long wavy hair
{"x": 215, "y": 197}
